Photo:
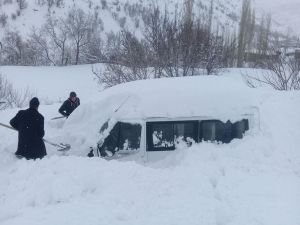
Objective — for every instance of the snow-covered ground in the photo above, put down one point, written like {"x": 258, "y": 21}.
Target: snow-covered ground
{"x": 253, "y": 181}
{"x": 53, "y": 84}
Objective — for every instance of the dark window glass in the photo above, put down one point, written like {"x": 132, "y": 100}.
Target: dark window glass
{"x": 239, "y": 128}
{"x": 227, "y": 136}
{"x": 215, "y": 130}
{"x": 123, "y": 136}
{"x": 163, "y": 136}
{"x": 130, "y": 136}
{"x": 212, "y": 130}
{"x": 111, "y": 142}
{"x": 185, "y": 132}
{"x": 246, "y": 122}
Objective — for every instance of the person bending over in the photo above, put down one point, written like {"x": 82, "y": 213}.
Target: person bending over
{"x": 69, "y": 105}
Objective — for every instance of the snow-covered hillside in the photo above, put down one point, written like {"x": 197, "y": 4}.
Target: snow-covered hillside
{"x": 53, "y": 84}
{"x": 115, "y": 14}
{"x": 254, "y": 180}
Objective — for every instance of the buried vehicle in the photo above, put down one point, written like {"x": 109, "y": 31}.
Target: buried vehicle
{"x": 149, "y": 119}
{"x": 153, "y": 138}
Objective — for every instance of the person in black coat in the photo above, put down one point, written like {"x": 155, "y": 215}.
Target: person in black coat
{"x": 69, "y": 105}
{"x": 30, "y": 125}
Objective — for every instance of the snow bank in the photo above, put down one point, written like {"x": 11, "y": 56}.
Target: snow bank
{"x": 53, "y": 84}
{"x": 231, "y": 184}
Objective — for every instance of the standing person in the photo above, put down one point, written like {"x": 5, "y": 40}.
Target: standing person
{"x": 30, "y": 125}
{"x": 69, "y": 105}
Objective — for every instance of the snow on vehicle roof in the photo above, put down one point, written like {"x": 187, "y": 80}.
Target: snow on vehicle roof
{"x": 215, "y": 96}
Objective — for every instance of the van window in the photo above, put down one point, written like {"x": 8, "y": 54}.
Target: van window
{"x": 239, "y": 128}
{"x": 211, "y": 130}
{"x": 163, "y": 136}
{"x": 130, "y": 136}
{"x": 123, "y": 136}
{"x": 216, "y": 130}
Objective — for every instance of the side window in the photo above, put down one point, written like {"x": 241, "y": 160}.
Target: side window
{"x": 212, "y": 130}
{"x": 111, "y": 141}
{"x": 215, "y": 130}
{"x": 246, "y": 122}
{"x": 124, "y": 136}
{"x": 186, "y": 131}
{"x": 163, "y": 136}
{"x": 227, "y": 132}
{"x": 130, "y": 136}
{"x": 239, "y": 128}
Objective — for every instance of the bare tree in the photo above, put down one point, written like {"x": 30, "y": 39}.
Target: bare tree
{"x": 229, "y": 50}
{"x": 283, "y": 74}
{"x": 13, "y": 47}
{"x": 56, "y": 30}
{"x": 155, "y": 35}
{"x": 39, "y": 42}
{"x": 186, "y": 38}
{"x": 243, "y": 31}
{"x": 188, "y": 11}
{"x": 172, "y": 58}
{"x": 94, "y": 50}
{"x": 263, "y": 46}
{"x": 78, "y": 25}
{"x": 10, "y": 97}
{"x": 214, "y": 53}
{"x": 112, "y": 48}
{"x": 116, "y": 74}
{"x": 130, "y": 64}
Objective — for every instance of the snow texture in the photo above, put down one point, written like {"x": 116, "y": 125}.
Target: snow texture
{"x": 253, "y": 181}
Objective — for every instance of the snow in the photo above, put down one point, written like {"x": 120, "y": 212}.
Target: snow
{"x": 34, "y": 15}
{"x": 160, "y": 98}
{"x": 284, "y": 13}
{"x": 255, "y": 180}
{"x": 53, "y": 84}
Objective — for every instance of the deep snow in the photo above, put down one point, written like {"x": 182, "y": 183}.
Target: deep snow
{"x": 255, "y": 180}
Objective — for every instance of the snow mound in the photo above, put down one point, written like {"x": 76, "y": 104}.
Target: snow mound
{"x": 214, "y": 97}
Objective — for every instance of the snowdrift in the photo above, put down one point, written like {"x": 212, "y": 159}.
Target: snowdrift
{"x": 213, "y": 97}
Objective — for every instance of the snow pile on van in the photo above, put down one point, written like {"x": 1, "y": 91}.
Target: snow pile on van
{"x": 212, "y": 97}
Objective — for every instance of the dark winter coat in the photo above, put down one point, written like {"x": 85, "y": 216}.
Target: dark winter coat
{"x": 30, "y": 124}
{"x": 69, "y": 106}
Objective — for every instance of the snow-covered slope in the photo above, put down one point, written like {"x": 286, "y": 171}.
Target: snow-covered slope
{"x": 112, "y": 12}
{"x": 255, "y": 180}
{"x": 53, "y": 84}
